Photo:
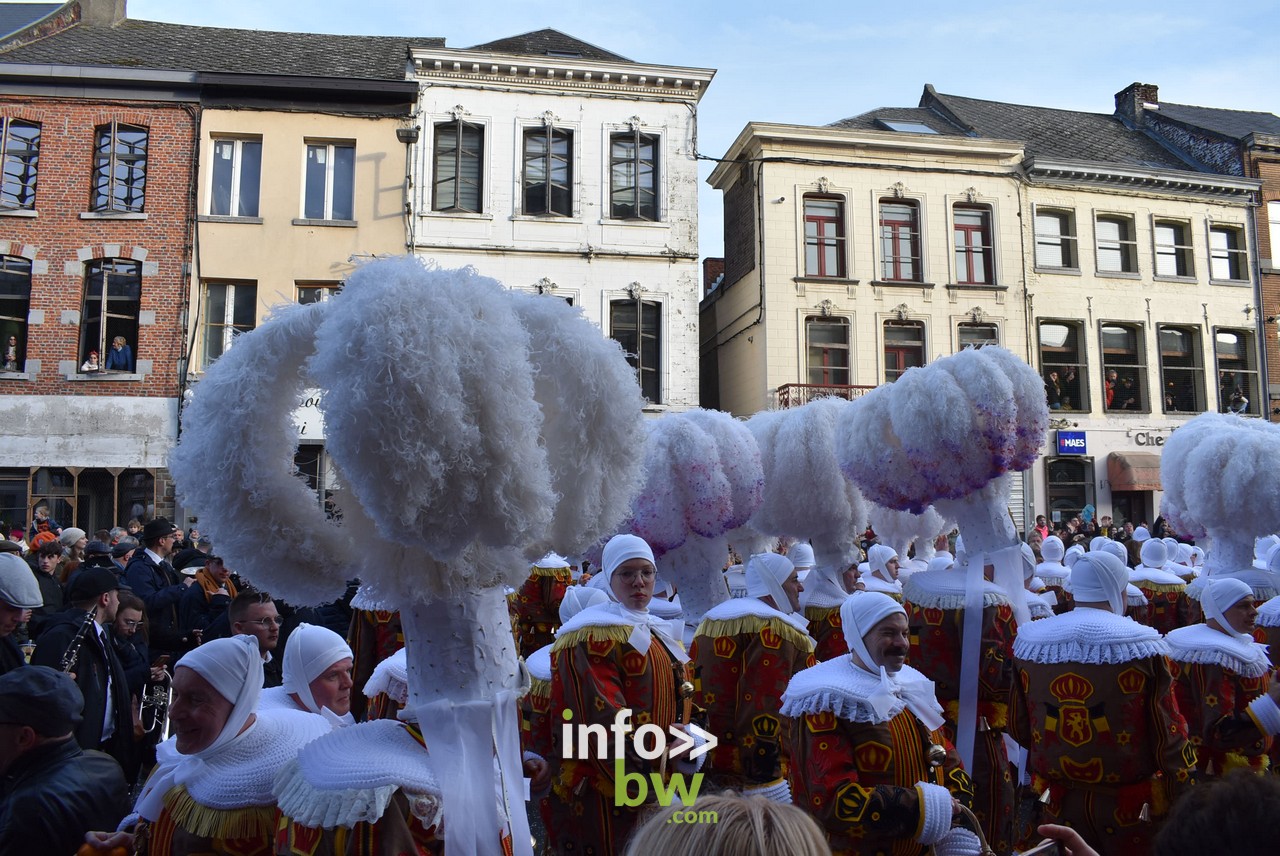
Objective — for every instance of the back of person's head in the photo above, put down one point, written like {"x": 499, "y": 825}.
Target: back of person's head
{"x": 1231, "y": 815}
{"x": 727, "y": 824}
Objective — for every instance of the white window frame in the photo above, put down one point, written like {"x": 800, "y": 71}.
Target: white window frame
{"x": 1128, "y": 246}
{"x": 236, "y": 164}
{"x": 226, "y": 326}
{"x": 1273, "y": 230}
{"x": 1188, "y": 248}
{"x": 329, "y": 146}
{"x": 1241, "y": 252}
{"x": 1071, "y": 240}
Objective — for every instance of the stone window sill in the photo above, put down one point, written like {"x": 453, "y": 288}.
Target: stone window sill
{"x": 18, "y": 212}
{"x": 346, "y": 224}
{"x": 112, "y": 215}
{"x": 220, "y": 218}
{"x": 104, "y": 376}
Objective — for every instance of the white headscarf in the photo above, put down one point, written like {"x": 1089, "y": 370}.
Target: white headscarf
{"x": 766, "y": 572}
{"x": 859, "y": 614}
{"x": 578, "y": 598}
{"x": 801, "y": 555}
{"x": 878, "y": 557}
{"x": 1100, "y": 577}
{"x": 1154, "y": 553}
{"x": 309, "y": 653}
{"x": 1052, "y": 549}
{"x": 1219, "y": 595}
{"x": 233, "y": 667}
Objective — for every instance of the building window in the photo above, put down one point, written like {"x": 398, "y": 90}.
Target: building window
{"x": 1227, "y": 259}
{"x": 1237, "y": 372}
{"x": 20, "y": 144}
{"x": 975, "y": 256}
{"x": 120, "y": 168}
{"x": 903, "y": 347}
{"x": 317, "y": 292}
{"x": 458, "y": 165}
{"x": 633, "y": 175}
{"x": 235, "y": 175}
{"x": 1064, "y": 365}
{"x": 1117, "y": 248}
{"x": 1069, "y": 487}
{"x": 637, "y": 327}
{"x": 900, "y": 241}
{"x": 88, "y": 498}
{"x": 1181, "y": 370}
{"x": 548, "y": 171}
{"x": 972, "y": 334}
{"x": 828, "y": 359}
{"x": 15, "y": 303}
{"x": 1124, "y": 367}
{"x": 330, "y": 182}
{"x": 1173, "y": 249}
{"x": 1056, "y": 240}
{"x": 823, "y": 235}
{"x": 112, "y": 300}
{"x": 230, "y": 309}
{"x": 1273, "y": 229}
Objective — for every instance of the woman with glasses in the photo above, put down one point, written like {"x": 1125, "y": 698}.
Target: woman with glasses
{"x": 608, "y": 658}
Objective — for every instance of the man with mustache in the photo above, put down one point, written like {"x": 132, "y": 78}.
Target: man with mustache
{"x": 869, "y": 758}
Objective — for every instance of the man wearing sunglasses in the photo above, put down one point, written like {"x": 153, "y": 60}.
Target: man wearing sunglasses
{"x": 253, "y": 613}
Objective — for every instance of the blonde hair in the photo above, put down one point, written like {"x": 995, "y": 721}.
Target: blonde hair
{"x": 727, "y": 824}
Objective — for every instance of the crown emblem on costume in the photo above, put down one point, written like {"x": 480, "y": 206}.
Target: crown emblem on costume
{"x": 1071, "y": 687}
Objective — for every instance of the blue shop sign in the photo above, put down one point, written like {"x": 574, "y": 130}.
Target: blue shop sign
{"x": 1071, "y": 443}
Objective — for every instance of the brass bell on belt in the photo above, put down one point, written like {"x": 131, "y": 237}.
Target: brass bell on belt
{"x": 937, "y": 755}
{"x": 686, "y": 690}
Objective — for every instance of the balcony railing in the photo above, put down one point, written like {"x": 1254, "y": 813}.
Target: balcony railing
{"x": 796, "y": 394}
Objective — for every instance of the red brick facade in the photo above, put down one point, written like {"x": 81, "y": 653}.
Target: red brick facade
{"x": 63, "y": 239}
{"x": 1264, "y": 163}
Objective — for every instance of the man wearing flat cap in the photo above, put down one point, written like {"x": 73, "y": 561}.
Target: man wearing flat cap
{"x": 51, "y": 791}
{"x": 108, "y": 718}
{"x": 154, "y": 580}
{"x": 19, "y": 594}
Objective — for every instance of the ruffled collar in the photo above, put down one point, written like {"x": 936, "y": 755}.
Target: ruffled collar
{"x": 1202, "y": 644}
{"x": 740, "y": 607}
{"x": 871, "y": 582}
{"x": 1053, "y": 573}
{"x": 1269, "y": 613}
{"x": 845, "y": 689}
{"x": 1265, "y": 584}
{"x": 642, "y": 624}
{"x": 1157, "y": 576}
{"x": 946, "y": 590}
{"x": 1085, "y": 635}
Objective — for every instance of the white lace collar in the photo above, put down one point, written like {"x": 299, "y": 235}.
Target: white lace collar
{"x": 871, "y": 582}
{"x": 1085, "y": 635}
{"x": 1157, "y": 576}
{"x": 839, "y": 687}
{"x": 1202, "y": 644}
{"x": 946, "y": 590}
{"x": 1269, "y": 613}
{"x": 740, "y": 607}
{"x": 1053, "y": 573}
{"x": 642, "y": 625}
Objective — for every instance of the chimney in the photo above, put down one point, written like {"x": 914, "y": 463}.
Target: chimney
{"x": 1131, "y": 100}
{"x": 102, "y": 13}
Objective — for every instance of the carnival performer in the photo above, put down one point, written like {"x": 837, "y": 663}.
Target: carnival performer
{"x": 1168, "y": 607}
{"x": 536, "y": 606}
{"x": 387, "y": 689}
{"x": 1092, "y": 702}
{"x": 1055, "y": 573}
{"x": 935, "y": 602}
{"x": 821, "y": 600}
{"x": 744, "y": 653}
{"x": 1222, "y": 678}
{"x": 882, "y": 562}
{"x": 317, "y": 676}
{"x": 374, "y": 635}
{"x": 211, "y": 790}
{"x": 869, "y": 758}
{"x": 606, "y": 659}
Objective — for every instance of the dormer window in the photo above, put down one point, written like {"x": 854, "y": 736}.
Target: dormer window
{"x": 905, "y": 126}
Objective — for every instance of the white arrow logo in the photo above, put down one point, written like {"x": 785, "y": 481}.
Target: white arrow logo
{"x": 685, "y": 741}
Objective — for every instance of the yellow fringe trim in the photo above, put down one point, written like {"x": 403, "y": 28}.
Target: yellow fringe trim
{"x": 1160, "y": 588}
{"x": 820, "y": 613}
{"x": 539, "y": 687}
{"x": 217, "y": 823}
{"x": 558, "y": 573}
{"x": 753, "y": 624}
{"x": 596, "y": 633}
{"x": 1236, "y": 761}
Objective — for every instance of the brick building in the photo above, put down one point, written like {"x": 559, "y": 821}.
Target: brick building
{"x": 1232, "y": 142}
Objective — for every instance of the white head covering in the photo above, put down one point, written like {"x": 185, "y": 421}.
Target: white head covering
{"x": 1262, "y": 548}
{"x": 1100, "y": 577}
{"x": 941, "y": 562}
{"x": 18, "y": 586}
{"x": 578, "y": 598}
{"x": 1197, "y": 556}
{"x": 1052, "y": 549}
{"x": 862, "y": 611}
{"x": 766, "y": 572}
{"x": 1028, "y": 562}
{"x": 1219, "y": 595}
{"x": 1273, "y": 561}
{"x": 1096, "y": 543}
{"x": 552, "y": 560}
{"x": 878, "y": 557}
{"x": 309, "y": 653}
{"x": 1071, "y": 556}
{"x": 1154, "y": 553}
{"x": 622, "y": 548}
{"x": 1116, "y": 549}
{"x": 1141, "y": 534}
{"x": 233, "y": 667}
{"x": 1170, "y": 544}
{"x": 801, "y": 555}
{"x": 644, "y": 623}
{"x": 1183, "y": 555}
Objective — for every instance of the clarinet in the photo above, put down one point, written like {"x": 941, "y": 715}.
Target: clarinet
{"x": 72, "y": 653}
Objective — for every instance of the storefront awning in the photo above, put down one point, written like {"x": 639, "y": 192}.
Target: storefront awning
{"x": 1134, "y": 471}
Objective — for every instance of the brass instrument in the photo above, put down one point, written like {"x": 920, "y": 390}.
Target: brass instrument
{"x": 154, "y": 707}
{"x": 72, "y": 653}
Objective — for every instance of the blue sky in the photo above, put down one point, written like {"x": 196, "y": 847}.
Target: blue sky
{"x": 819, "y": 61}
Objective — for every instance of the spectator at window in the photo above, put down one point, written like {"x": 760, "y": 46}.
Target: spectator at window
{"x": 1238, "y": 403}
{"x": 91, "y": 364}
{"x": 11, "y": 355}
{"x": 120, "y": 357}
